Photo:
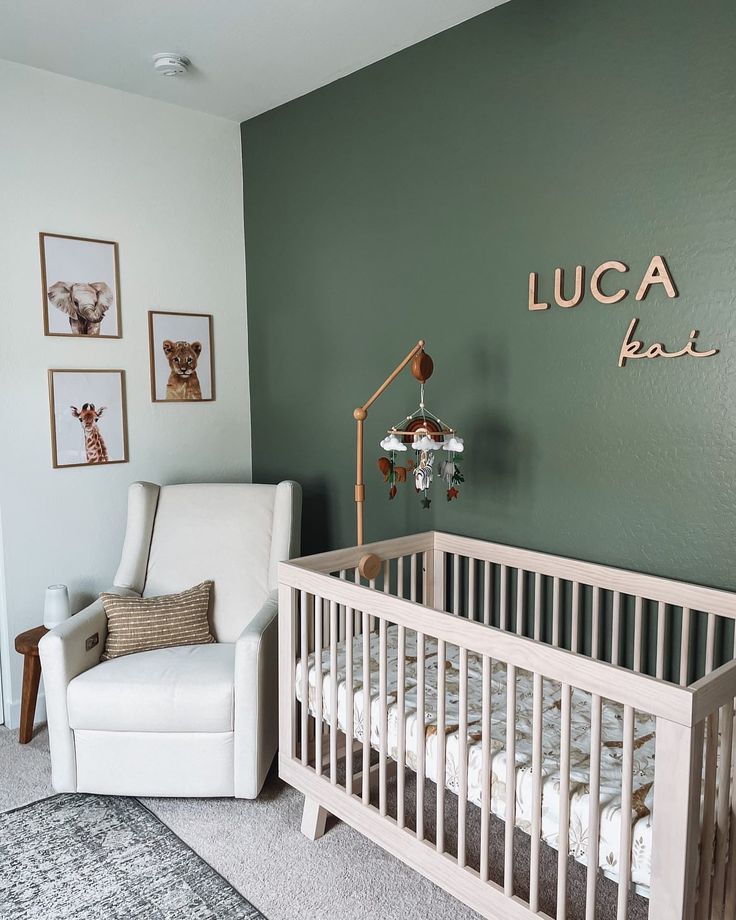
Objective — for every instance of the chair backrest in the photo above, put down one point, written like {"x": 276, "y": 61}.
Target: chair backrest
{"x": 234, "y": 534}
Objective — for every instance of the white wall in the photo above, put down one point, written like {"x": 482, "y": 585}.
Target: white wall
{"x": 166, "y": 183}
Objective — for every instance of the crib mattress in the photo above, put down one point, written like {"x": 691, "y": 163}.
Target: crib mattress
{"x": 611, "y": 750}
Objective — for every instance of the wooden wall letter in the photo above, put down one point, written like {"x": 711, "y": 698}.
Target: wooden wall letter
{"x": 657, "y": 273}
{"x": 533, "y": 305}
{"x": 595, "y": 286}
{"x": 577, "y": 296}
{"x": 633, "y": 348}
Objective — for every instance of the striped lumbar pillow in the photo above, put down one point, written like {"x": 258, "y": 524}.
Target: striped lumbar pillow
{"x": 137, "y": 624}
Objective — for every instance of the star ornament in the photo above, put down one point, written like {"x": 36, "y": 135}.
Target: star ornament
{"x": 426, "y": 502}
{"x": 452, "y": 493}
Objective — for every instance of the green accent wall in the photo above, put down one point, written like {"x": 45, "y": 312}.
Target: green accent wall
{"x": 413, "y": 198}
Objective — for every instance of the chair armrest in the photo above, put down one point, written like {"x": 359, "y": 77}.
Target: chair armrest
{"x": 64, "y": 655}
{"x": 252, "y": 636}
{"x": 63, "y": 650}
{"x": 256, "y": 699}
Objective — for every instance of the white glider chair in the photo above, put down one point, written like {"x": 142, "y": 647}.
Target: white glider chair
{"x": 196, "y": 720}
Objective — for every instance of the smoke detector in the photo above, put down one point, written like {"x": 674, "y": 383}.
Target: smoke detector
{"x": 170, "y": 65}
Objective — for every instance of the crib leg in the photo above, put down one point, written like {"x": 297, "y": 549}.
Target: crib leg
{"x": 314, "y": 818}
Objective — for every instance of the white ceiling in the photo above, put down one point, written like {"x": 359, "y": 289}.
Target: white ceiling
{"x": 248, "y": 55}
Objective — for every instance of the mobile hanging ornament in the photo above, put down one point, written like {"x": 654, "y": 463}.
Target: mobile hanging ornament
{"x": 425, "y": 433}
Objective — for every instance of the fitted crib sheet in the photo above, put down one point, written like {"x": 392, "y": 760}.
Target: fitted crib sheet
{"x": 611, "y": 740}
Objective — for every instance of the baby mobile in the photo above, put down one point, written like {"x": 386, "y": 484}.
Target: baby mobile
{"x": 425, "y": 433}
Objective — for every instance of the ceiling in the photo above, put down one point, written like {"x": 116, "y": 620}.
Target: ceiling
{"x": 248, "y": 55}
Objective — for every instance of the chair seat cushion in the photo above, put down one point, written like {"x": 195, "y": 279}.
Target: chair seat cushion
{"x": 188, "y": 688}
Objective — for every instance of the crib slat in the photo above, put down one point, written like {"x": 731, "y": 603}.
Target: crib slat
{"x": 439, "y": 580}
{"x": 616, "y": 628}
{"x": 555, "y": 611}
{"x": 366, "y": 767}
{"x": 462, "y": 796}
{"x": 349, "y": 699}
{"x": 661, "y": 623}
{"x": 341, "y": 624}
{"x": 401, "y": 727}
{"x": 420, "y": 736}
{"x": 289, "y": 599}
{"x": 510, "y": 817}
{"x": 455, "y": 584}
{"x": 563, "y": 847}
{"x": 520, "y": 584}
{"x": 595, "y": 637}
{"x": 400, "y": 576}
{"x": 372, "y": 620}
{"x": 383, "y": 714}
{"x": 502, "y": 597}
{"x": 575, "y": 638}
{"x": 413, "y": 577}
{"x": 710, "y": 643}
{"x": 638, "y": 606}
{"x": 441, "y": 745}
{"x": 333, "y": 691}
{"x": 319, "y": 728}
{"x": 358, "y": 618}
{"x": 730, "y": 895}
{"x": 685, "y": 646}
{"x": 537, "y": 606}
{"x": 485, "y": 800}
{"x": 702, "y": 911}
{"x": 594, "y": 806}
{"x": 471, "y": 589}
{"x": 487, "y": 595}
{"x": 536, "y": 792}
{"x": 303, "y": 614}
{"x": 627, "y": 778}
{"x": 722, "y": 810}
{"x": 427, "y": 577}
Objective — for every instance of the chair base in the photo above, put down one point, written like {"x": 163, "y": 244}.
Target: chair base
{"x": 177, "y": 764}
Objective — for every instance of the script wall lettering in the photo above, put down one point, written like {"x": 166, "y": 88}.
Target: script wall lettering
{"x": 602, "y": 288}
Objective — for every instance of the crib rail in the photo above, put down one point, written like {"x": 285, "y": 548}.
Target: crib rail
{"x": 441, "y": 600}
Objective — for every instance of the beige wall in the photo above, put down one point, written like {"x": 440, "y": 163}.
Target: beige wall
{"x": 165, "y": 183}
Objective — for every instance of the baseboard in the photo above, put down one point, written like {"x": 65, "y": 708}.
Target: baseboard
{"x": 14, "y": 711}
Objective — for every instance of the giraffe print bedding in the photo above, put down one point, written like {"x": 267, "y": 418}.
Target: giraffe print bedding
{"x": 611, "y": 750}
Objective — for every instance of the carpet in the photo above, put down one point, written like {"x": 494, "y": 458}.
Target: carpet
{"x": 71, "y": 856}
{"x": 259, "y": 849}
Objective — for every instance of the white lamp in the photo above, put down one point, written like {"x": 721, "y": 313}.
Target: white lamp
{"x": 56, "y": 606}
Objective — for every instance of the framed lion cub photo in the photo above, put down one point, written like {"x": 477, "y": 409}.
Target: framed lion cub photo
{"x": 80, "y": 286}
{"x": 182, "y": 359}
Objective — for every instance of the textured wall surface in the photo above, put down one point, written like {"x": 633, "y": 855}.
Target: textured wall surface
{"x": 165, "y": 183}
{"x": 414, "y": 198}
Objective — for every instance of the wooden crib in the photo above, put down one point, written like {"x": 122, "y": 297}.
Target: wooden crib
{"x": 593, "y": 667}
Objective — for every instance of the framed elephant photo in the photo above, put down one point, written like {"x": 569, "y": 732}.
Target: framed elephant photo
{"x": 80, "y": 281}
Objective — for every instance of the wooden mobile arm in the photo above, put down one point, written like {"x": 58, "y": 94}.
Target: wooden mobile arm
{"x": 421, "y": 368}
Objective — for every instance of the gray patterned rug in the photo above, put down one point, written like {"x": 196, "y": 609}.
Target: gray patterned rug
{"x": 88, "y": 857}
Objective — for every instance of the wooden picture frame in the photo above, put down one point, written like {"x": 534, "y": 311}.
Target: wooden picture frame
{"x": 66, "y": 442}
{"x": 181, "y": 372}
{"x": 65, "y": 266}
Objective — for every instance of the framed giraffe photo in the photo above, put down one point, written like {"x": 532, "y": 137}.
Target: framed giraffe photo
{"x": 89, "y": 423}
{"x": 182, "y": 359}
{"x": 80, "y": 286}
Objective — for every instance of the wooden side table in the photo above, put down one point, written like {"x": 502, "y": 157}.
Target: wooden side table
{"x": 27, "y": 644}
